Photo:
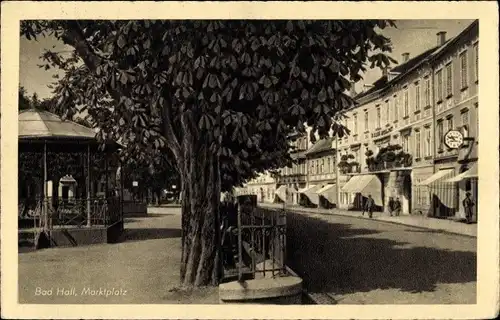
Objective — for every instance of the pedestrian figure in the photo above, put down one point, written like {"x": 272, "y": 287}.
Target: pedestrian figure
{"x": 468, "y": 204}
{"x": 369, "y": 206}
{"x": 391, "y": 205}
{"x": 397, "y": 207}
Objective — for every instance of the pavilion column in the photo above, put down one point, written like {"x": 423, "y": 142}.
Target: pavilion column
{"x": 106, "y": 174}
{"x": 87, "y": 185}
{"x": 45, "y": 200}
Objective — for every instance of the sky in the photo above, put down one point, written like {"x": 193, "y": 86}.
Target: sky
{"x": 412, "y": 36}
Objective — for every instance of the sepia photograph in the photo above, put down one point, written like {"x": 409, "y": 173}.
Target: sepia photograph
{"x": 266, "y": 162}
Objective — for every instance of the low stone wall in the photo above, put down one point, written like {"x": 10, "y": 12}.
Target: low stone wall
{"x": 73, "y": 237}
{"x": 278, "y": 290}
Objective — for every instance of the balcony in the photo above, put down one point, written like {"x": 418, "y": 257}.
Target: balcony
{"x": 391, "y": 157}
{"x": 349, "y": 168}
{"x": 386, "y": 165}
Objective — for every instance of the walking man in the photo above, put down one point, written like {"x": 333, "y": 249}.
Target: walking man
{"x": 391, "y": 205}
{"x": 369, "y": 206}
{"x": 397, "y": 207}
{"x": 468, "y": 207}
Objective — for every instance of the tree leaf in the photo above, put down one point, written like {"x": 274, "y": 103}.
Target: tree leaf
{"x": 121, "y": 41}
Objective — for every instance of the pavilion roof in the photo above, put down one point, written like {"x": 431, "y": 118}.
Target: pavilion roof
{"x": 38, "y": 124}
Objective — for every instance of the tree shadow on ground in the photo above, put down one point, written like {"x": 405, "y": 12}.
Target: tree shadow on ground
{"x": 139, "y": 234}
{"x": 336, "y": 258}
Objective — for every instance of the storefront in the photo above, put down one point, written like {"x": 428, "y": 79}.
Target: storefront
{"x": 359, "y": 187}
{"x": 443, "y": 194}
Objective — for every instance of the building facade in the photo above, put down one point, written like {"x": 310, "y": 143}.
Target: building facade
{"x": 291, "y": 179}
{"x": 264, "y": 187}
{"x": 456, "y": 84}
{"x": 396, "y": 146}
{"x": 321, "y": 176}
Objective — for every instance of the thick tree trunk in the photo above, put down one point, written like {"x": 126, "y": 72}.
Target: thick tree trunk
{"x": 200, "y": 216}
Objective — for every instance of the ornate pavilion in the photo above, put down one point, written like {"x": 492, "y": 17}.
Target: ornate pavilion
{"x": 68, "y": 190}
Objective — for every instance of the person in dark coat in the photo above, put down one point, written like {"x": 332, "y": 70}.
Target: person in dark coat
{"x": 369, "y": 206}
{"x": 468, "y": 204}
{"x": 397, "y": 207}
{"x": 391, "y": 205}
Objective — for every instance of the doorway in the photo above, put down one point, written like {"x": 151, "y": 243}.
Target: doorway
{"x": 65, "y": 193}
{"x": 406, "y": 203}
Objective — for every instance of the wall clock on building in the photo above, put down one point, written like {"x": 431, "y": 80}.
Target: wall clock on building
{"x": 453, "y": 139}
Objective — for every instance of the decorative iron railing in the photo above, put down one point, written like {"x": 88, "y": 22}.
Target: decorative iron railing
{"x": 71, "y": 212}
{"x": 261, "y": 241}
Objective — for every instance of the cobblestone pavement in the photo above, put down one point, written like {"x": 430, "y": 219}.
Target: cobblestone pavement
{"x": 361, "y": 261}
{"x": 145, "y": 265}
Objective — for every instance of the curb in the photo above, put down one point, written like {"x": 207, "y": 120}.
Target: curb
{"x": 379, "y": 220}
{"x": 401, "y": 224}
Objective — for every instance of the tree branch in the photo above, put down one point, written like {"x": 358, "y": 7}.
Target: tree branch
{"x": 74, "y": 36}
{"x": 172, "y": 140}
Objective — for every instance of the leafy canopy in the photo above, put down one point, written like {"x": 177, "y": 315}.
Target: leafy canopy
{"x": 241, "y": 86}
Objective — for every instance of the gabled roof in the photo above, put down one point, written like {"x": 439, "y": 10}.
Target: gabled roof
{"x": 320, "y": 146}
{"x": 38, "y": 124}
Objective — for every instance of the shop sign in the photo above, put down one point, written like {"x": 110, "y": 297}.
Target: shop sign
{"x": 382, "y": 132}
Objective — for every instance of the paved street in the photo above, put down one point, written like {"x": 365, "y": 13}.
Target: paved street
{"x": 361, "y": 261}
{"x": 357, "y": 261}
{"x": 146, "y": 266}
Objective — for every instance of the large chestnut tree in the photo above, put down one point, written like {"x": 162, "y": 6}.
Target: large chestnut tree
{"x": 220, "y": 97}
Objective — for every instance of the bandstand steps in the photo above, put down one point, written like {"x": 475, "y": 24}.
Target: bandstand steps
{"x": 26, "y": 238}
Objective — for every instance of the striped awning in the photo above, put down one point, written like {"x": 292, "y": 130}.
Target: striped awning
{"x": 469, "y": 174}
{"x": 438, "y": 176}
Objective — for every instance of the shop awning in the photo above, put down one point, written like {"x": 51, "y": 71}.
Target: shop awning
{"x": 366, "y": 185}
{"x": 281, "y": 193}
{"x": 436, "y": 177}
{"x": 352, "y": 185}
{"x": 305, "y": 189}
{"x": 329, "y": 193}
{"x": 469, "y": 174}
{"x": 312, "y": 194}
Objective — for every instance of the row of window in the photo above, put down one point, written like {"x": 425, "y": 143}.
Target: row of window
{"x": 295, "y": 169}
{"x": 445, "y": 88}
{"x": 383, "y": 113}
{"x": 322, "y": 166}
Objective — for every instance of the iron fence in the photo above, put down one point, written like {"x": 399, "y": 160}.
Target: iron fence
{"x": 261, "y": 241}
{"x": 47, "y": 214}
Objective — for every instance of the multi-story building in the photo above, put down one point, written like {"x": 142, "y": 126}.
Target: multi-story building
{"x": 386, "y": 128}
{"x": 398, "y": 127}
{"x": 321, "y": 176}
{"x": 291, "y": 179}
{"x": 264, "y": 187}
{"x": 396, "y": 146}
{"x": 456, "y": 81}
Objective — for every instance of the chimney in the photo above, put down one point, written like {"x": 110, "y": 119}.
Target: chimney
{"x": 405, "y": 56}
{"x": 441, "y": 38}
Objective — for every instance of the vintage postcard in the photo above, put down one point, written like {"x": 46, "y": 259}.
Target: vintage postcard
{"x": 249, "y": 160}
